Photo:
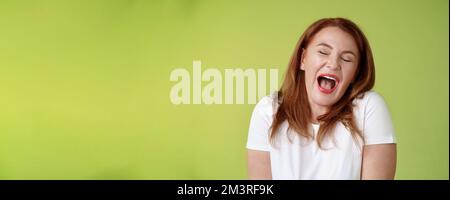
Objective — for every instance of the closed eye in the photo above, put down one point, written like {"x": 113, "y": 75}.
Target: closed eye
{"x": 346, "y": 60}
{"x": 323, "y": 52}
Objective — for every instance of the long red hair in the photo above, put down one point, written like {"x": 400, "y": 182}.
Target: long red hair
{"x": 292, "y": 97}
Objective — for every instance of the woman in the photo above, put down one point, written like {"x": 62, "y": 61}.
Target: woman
{"x": 325, "y": 122}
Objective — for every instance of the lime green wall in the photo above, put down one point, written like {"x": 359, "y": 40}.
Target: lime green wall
{"x": 85, "y": 84}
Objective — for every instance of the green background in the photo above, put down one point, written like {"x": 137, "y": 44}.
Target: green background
{"x": 85, "y": 84}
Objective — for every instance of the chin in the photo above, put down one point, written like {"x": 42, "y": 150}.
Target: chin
{"x": 324, "y": 100}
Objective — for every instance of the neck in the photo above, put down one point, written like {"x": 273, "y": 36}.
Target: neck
{"x": 316, "y": 111}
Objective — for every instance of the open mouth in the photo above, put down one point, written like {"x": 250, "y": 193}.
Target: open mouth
{"x": 327, "y": 83}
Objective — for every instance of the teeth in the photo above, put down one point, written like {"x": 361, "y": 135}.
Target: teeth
{"x": 329, "y": 77}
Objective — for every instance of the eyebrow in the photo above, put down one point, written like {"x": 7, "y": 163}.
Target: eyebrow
{"x": 329, "y": 46}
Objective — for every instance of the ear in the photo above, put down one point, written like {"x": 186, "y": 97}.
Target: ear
{"x": 302, "y": 65}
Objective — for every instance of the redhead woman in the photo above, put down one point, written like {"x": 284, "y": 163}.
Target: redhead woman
{"x": 325, "y": 122}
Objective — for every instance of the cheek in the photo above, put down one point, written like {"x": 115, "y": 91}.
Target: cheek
{"x": 349, "y": 74}
{"x": 311, "y": 67}
{"x": 315, "y": 62}
{"x": 310, "y": 74}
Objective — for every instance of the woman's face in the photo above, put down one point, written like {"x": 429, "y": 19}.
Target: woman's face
{"x": 330, "y": 61}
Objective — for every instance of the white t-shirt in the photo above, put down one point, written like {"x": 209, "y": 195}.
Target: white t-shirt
{"x": 299, "y": 158}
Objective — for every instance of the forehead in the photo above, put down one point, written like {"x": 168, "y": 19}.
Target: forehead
{"x": 336, "y": 38}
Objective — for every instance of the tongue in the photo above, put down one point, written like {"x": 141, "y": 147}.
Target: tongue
{"x": 327, "y": 84}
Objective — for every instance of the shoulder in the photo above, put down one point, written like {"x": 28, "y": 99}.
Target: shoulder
{"x": 260, "y": 123}
{"x": 369, "y": 99}
{"x": 370, "y": 105}
{"x": 374, "y": 119}
{"x": 267, "y": 105}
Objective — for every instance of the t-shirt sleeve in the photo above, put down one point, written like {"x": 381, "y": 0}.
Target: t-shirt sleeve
{"x": 260, "y": 122}
{"x": 378, "y": 127}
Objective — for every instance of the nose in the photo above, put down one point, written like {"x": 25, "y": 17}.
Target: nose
{"x": 333, "y": 64}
